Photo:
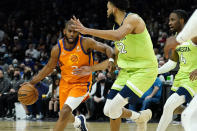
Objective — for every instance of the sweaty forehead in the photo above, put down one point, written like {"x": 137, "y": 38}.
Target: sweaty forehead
{"x": 69, "y": 26}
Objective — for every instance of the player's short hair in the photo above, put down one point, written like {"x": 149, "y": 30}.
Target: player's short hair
{"x": 182, "y": 14}
{"x": 67, "y": 23}
{"x": 121, "y": 4}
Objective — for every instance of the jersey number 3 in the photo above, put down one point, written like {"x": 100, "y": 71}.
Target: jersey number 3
{"x": 121, "y": 47}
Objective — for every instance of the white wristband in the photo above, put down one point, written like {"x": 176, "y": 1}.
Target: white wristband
{"x": 111, "y": 59}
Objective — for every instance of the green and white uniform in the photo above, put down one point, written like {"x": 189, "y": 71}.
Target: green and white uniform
{"x": 138, "y": 63}
{"x": 188, "y": 62}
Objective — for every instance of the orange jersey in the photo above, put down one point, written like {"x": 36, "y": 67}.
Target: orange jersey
{"x": 72, "y": 59}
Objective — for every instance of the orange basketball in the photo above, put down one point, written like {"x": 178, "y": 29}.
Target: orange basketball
{"x": 28, "y": 94}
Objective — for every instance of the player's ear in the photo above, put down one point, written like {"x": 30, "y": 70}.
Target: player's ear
{"x": 182, "y": 21}
{"x": 114, "y": 10}
{"x": 64, "y": 31}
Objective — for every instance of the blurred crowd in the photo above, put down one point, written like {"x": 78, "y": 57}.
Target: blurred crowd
{"x": 29, "y": 29}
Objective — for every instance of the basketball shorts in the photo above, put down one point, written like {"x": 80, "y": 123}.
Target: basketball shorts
{"x": 73, "y": 94}
{"x": 138, "y": 80}
{"x": 184, "y": 81}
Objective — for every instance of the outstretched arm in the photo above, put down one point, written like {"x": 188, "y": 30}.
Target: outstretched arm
{"x": 46, "y": 70}
{"x": 128, "y": 26}
{"x": 86, "y": 70}
{"x": 170, "y": 65}
{"x": 98, "y": 46}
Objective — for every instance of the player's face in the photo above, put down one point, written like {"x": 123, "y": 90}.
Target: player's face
{"x": 174, "y": 22}
{"x": 109, "y": 9}
{"x": 70, "y": 35}
{"x": 110, "y": 13}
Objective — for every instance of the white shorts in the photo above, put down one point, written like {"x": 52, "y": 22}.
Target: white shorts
{"x": 74, "y": 102}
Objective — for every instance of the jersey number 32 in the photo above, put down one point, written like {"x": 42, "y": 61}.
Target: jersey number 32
{"x": 121, "y": 47}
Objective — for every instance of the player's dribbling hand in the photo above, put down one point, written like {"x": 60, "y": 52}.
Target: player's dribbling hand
{"x": 193, "y": 75}
{"x": 82, "y": 71}
{"x": 78, "y": 26}
{"x": 170, "y": 45}
{"x": 25, "y": 83}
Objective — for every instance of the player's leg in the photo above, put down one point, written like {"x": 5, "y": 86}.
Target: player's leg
{"x": 141, "y": 118}
{"x": 139, "y": 82}
{"x": 114, "y": 124}
{"x": 175, "y": 100}
{"x": 66, "y": 113}
{"x": 133, "y": 89}
{"x": 179, "y": 110}
{"x": 75, "y": 96}
{"x": 116, "y": 87}
{"x": 65, "y": 110}
{"x": 189, "y": 116}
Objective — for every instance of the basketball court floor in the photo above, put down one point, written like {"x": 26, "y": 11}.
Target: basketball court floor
{"x": 23, "y": 125}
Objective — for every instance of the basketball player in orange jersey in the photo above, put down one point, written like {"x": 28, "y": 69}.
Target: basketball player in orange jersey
{"x": 71, "y": 52}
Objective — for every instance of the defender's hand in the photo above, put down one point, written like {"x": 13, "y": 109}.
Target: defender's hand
{"x": 193, "y": 75}
{"x": 78, "y": 26}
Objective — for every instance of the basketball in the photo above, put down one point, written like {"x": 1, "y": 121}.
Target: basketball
{"x": 28, "y": 94}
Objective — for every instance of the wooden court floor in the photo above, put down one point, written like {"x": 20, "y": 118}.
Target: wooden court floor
{"x": 22, "y": 125}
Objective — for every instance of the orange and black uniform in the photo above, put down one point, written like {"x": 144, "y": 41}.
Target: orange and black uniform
{"x": 72, "y": 85}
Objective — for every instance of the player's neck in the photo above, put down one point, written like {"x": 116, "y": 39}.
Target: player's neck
{"x": 179, "y": 30}
{"x": 67, "y": 45}
{"x": 119, "y": 17}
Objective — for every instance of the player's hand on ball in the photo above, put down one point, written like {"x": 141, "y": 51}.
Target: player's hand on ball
{"x": 170, "y": 45}
{"x": 27, "y": 94}
{"x": 25, "y": 83}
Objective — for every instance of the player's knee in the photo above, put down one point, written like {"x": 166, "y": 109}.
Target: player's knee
{"x": 114, "y": 114}
{"x": 168, "y": 107}
{"x": 107, "y": 107}
{"x": 117, "y": 104}
{"x": 64, "y": 113}
{"x": 106, "y": 111}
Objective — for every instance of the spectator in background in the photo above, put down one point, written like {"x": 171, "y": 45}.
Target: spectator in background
{"x": 54, "y": 101}
{"x": 152, "y": 95}
{"x": 157, "y": 53}
{"x": 102, "y": 88}
{"x": 36, "y": 108}
{"x": 11, "y": 95}
{"x": 5, "y": 87}
{"x": 31, "y": 52}
{"x": 17, "y": 49}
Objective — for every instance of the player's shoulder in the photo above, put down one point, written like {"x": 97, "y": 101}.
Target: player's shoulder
{"x": 133, "y": 17}
{"x": 184, "y": 44}
{"x": 87, "y": 40}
